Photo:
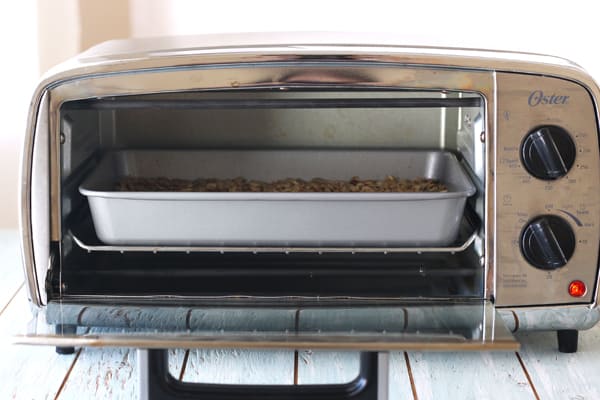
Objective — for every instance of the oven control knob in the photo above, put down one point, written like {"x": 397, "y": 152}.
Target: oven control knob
{"x": 548, "y": 152}
{"x": 547, "y": 242}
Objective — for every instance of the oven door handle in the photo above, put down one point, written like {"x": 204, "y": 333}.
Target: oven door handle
{"x": 156, "y": 383}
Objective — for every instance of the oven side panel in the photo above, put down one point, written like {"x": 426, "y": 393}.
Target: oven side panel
{"x": 35, "y": 200}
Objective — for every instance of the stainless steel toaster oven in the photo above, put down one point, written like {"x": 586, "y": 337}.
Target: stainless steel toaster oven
{"x": 310, "y": 191}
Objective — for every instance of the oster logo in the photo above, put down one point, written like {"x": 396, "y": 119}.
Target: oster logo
{"x": 538, "y": 97}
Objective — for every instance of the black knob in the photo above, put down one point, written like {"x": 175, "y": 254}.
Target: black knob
{"x": 548, "y": 242}
{"x": 548, "y": 152}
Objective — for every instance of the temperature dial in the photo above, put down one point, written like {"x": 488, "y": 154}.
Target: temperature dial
{"x": 548, "y": 152}
{"x": 548, "y": 242}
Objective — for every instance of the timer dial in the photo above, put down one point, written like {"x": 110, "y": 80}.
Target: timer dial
{"x": 547, "y": 242}
{"x": 548, "y": 152}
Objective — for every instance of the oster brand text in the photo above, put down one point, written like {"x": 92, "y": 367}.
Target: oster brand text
{"x": 538, "y": 97}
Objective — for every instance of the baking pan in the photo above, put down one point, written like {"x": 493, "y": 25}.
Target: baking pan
{"x": 277, "y": 219}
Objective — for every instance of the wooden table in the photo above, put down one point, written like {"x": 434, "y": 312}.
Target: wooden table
{"x": 537, "y": 371}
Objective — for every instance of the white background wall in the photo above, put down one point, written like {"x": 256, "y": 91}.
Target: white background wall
{"x": 568, "y": 29}
{"x": 18, "y": 72}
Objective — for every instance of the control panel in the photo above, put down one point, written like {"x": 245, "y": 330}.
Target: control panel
{"x": 547, "y": 191}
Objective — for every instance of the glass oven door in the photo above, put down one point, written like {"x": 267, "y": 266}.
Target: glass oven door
{"x": 368, "y": 325}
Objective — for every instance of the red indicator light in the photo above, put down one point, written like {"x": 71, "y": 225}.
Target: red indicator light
{"x": 577, "y": 289}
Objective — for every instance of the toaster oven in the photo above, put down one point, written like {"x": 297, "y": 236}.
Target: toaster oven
{"x": 241, "y": 191}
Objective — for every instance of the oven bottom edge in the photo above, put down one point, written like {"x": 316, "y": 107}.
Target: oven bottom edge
{"x": 578, "y": 317}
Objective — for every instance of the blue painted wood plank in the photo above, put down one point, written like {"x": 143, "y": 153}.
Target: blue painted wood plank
{"x": 399, "y": 380}
{"x": 109, "y": 373}
{"x": 479, "y": 375}
{"x": 235, "y": 366}
{"x": 562, "y": 376}
{"x": 322, "y": 367}
{"x": 103, "y": 374}
{"x": 27, "y": 372}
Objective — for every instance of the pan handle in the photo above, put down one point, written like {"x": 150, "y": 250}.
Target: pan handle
{"x": 156, "y": 383}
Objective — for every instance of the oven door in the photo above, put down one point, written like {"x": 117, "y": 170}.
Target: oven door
{"x": 335, "y": 325}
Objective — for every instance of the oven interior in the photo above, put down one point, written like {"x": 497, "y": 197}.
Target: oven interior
{"x": 275, "y": 119}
